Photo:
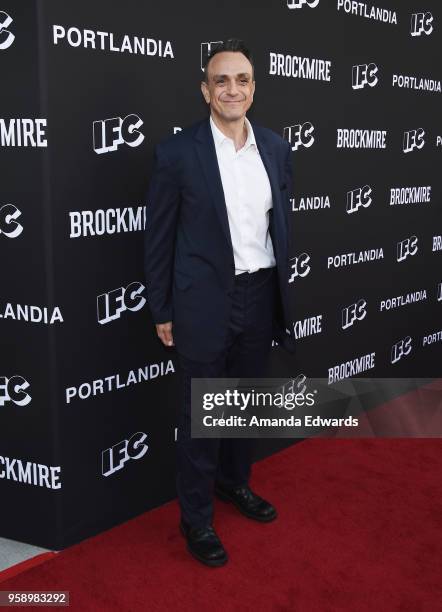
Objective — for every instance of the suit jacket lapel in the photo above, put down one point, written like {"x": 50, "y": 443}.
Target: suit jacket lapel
{"x": 277, "y": 224}
{"x": 206, "y": 153}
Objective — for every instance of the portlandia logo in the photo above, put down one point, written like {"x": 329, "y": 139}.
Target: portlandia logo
{"x": 361, "y": 9}
{"x": 13, "y": 389}
{"x": 6, "y": 37}
{"x": 417, "y": 83}
{"x": 364, "y": 74}
{"x": 299, "y": 266}
{"x": 299, "y": 135}
{"x": 206, "y": 49}
{"x": 315, "y": 202}
{"x": 413, "y": 139}
{"x": 431, "y": 338}
{"x": 9, "y": 226}
{"x": 31, "y": 314}
{"x": 110, "y": 305}
{"x": 357, "y": 198}
{"x": 355, "y": 257}
{"x": 109, "y": 134}
{"x": 403, "y": 300}
{"x": 297, "y": 4}
{"x": 118, "y": 381}
{"x": 108, "y": 41}
{"x": 421, "y": 23}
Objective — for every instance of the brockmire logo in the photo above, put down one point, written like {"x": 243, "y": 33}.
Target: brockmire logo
{"x": 410, "y": 195}
{"x": 437, "y": 243}
{"x": 109, "y": 221}
{"x": 299, "y": 67}
{"x": 23, "y": 132}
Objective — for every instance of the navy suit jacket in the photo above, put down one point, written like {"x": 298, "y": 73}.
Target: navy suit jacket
{"x": 189, "y": 262}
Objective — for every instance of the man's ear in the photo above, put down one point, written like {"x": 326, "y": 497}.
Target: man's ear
{"x": 205, "y": 91}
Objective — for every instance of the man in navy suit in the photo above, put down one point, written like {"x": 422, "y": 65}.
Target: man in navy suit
{"x": 216, "y": 264}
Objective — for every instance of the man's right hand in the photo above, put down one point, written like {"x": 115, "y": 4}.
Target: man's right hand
{"x": 164, "y": 331}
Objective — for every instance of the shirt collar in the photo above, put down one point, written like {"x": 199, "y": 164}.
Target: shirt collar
{"x": 219, "y": 137}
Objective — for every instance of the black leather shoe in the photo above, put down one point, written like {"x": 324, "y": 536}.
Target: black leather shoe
{"x": 251, "y": 505}
{"x": 204, "y": 544}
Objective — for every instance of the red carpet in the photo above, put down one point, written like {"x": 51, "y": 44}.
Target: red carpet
{"x": 359, "y": 528}
{"x": 18, "y": 568}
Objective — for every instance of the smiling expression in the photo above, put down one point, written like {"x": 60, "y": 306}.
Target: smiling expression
{"x": 230, "y": 86}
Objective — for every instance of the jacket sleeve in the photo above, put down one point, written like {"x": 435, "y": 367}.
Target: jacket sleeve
{"x": 283, "y": 336}
{"x": 162, "y": 210}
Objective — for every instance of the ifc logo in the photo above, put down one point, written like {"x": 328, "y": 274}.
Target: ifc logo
{"x": 6, "y": 37}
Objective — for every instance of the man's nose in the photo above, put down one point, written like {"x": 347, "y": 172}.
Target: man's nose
{"x": 232, "y": 88}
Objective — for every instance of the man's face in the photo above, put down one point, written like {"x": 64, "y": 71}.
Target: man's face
{"x": 230, "y": 86}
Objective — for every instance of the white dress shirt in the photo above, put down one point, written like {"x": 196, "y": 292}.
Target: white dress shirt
{"x": 248, "y": 199}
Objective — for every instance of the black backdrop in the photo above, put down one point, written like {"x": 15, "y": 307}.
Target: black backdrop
{"x": 102, "y": 330}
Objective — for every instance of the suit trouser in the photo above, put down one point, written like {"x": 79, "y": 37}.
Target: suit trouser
{"x": 202, "y": 461}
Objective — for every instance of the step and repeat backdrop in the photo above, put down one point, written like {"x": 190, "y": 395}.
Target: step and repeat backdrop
{"x": 88, "y": 395}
